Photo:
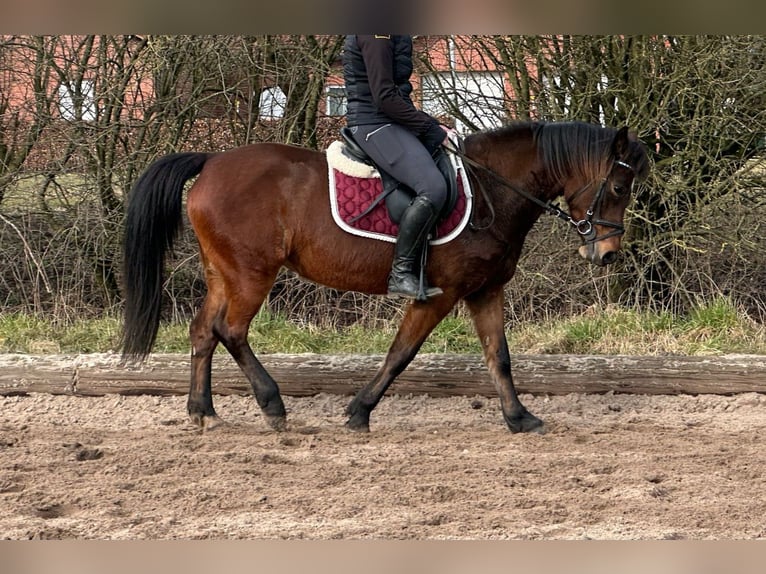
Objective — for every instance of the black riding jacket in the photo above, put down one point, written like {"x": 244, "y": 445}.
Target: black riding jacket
{"x": 377, "y": 72}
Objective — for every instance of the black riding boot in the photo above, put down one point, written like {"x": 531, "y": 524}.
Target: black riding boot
{"x": 414, "y": 227}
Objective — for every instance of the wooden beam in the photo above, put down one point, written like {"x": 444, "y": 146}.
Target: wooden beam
{"x": 432, "y": 374}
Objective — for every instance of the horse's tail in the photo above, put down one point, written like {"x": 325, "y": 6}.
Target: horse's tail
{"x": 152, "y": 223}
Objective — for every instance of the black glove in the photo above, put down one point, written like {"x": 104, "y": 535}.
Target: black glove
{"x": 433, "y": 138}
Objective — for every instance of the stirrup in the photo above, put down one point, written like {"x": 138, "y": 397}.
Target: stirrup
{"x": 408, "y": 285}
{"x": 427, "y": 293}
{"x": 420, "y": 294}
{"x": 424, "y": 292}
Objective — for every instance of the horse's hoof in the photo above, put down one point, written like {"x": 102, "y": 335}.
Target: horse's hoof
{"x": 525, "y": 422}
{"x": 211, "y": 422}
{"x": 277, "y": 423}
{"x": 355, "y": 424}
{"x": 197, "y": 420}
{"x": 205, "y": 422}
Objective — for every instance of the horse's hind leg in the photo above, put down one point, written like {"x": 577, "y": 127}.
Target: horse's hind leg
{"x": 203, "y": 341}
{"x": 227, "y": 321}
{"x": 487, "y": 311}
{"x": 251, "y": 290}
{"x": 417, "y": 324}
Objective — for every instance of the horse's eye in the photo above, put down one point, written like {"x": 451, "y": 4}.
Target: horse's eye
{"x": 620, "y": 190}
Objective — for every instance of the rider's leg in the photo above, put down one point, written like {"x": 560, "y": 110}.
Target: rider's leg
{"x": 397, "y": 151}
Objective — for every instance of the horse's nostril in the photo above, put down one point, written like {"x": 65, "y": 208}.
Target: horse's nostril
{"x": 609, "y": 257}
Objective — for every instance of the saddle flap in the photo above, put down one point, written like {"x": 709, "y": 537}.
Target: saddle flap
{"x": 450, "y": 175}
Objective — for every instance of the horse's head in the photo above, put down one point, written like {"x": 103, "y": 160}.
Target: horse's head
{"x": 598, "y": 207}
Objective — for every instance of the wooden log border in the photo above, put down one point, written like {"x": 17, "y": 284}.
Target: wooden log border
{"x": 437, "y": 375}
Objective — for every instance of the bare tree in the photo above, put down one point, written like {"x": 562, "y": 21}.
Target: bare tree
{"x": 26, "y": 85}
{"x": 698, "y": 103}
{"x": 82, "y": 116}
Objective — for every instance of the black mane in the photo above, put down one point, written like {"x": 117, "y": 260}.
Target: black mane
{"x": 574, "y": 148}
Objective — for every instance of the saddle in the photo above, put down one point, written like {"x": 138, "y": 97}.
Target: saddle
{"x": 398, "y": 196}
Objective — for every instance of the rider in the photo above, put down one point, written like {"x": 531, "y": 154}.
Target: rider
{"x": 400, "y": 139}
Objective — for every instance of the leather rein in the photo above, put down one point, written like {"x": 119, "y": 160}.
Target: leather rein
{"x": 584, "y": 227}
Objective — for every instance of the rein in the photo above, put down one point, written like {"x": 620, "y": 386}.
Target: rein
{"x": 584, "y": 227}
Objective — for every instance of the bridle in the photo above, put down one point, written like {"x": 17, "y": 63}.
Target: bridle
{"x": 586, "y": 227}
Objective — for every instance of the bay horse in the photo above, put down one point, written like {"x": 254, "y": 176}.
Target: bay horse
{"x": 257, "y": 208}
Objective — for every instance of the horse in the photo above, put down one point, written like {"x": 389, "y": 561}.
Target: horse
{"x": 261, "y": 207}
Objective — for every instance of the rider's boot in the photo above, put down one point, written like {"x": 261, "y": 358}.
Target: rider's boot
{"x": 414, "y": 229}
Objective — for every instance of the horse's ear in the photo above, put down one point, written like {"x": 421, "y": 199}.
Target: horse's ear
{"x": 620, "y": 142}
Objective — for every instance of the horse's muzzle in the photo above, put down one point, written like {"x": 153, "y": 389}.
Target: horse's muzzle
{"x": 602, "y": 258}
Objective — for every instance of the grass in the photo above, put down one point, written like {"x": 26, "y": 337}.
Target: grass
{"x": 713, "y": 328}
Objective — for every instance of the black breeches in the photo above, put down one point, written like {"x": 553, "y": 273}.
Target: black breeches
{"x": 400, "y": 153}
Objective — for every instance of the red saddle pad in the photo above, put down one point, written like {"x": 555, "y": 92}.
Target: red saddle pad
{"x": 353, "y": 195}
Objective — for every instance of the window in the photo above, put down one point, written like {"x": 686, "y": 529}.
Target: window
{"x": 560, "y": 99}
{"x": 479, "y": 97}
{"x": 73, "y": 107}
{"x": 336, "y": 101}
{"x": 271, "y": 105}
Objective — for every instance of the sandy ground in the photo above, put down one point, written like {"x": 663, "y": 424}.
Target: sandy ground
{"x": 609, "y": 467}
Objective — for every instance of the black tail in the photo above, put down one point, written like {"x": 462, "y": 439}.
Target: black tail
{"x": 152, "y": 223}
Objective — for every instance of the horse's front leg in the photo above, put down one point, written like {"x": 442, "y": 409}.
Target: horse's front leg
{"x": 486, "y": 310}
{"x": 419, "y": 320}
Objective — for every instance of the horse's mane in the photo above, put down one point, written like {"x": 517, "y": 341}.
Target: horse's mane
{"x": 574, "y": 148}
{"x": 570, "y": 148}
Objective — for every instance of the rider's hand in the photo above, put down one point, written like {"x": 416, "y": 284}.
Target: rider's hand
{"x": 450, "y": 137}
